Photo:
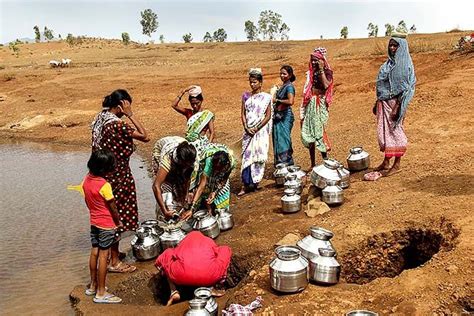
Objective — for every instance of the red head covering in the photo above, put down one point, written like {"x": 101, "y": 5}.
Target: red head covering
{"x": 319, "y": 53}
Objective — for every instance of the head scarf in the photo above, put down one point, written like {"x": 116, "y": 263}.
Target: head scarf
{"x": 255, "y": 71}
{"x": 319, "y": 53}
{"x": 397, "y": 77}
{"x": 195, "y": 91}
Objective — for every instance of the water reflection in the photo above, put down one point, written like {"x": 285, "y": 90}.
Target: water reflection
{"x": 45, "y": 229}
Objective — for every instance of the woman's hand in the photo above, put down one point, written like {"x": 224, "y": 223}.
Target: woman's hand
{"x": 374, "y": 109}
{"x": 321, "y": 64}
{"x": 126, "y": 108}
{"x": 187, "y": 89}
{"x": 186, "y": 215}
{"x": 168, "y": 214}
{"x": 211, "y": 198}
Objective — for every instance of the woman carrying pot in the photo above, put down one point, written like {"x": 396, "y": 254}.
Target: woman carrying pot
{"x": 110, "y": 132}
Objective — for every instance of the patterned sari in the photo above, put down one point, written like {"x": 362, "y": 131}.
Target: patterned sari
{"x": 282, "y": 126}
{"x": 255, "y": 148}
{"x": 218, "y": 183}
{"x": 315, "y": 124}
{"x": 110, "y": 132}
{"x": 390, "y": 134}
{"x": 196, "y": 125}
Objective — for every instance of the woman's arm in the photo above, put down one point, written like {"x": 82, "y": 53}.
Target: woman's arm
{"x": 242, "y": 116}
{"x": 290, "y": 101}
{"x": 322, "y": 75}
{"x": 212, "y": 131}
{"x": 140, "y": 132}
{"x": 175, "y": 103}
{"x": 268, "y": 113}
{"x": 202, "y": 185}
{"x": 159, "y": 180}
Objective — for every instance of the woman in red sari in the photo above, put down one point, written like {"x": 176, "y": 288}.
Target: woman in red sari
{"x": 109, "y": 131}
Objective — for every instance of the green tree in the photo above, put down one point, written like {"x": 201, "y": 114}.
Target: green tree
{"x": 388, "y": 29}
{"x": 37, "y": 33}
{"x": 251, "y": 31}
{"x": 162, "y": 38}
{"x": 149, "y": 22}
{"x": 284, "y": 29}
{"x": 187, "y": 38}
{"x": 125, "y": 38}
{"x": 207, "y": 38}
{"x": 271, "y": 26}
{"x": 59, "y": 36}
{"x": 402, "y": 24}
{"x": 70, "y": 39}
{"x": 373, "y": 29}
{"x": 413, "y": 29}
{"x": 344, "y": 32}
{"x": 220, "y": 35}
{"x": 14, "y": 47}
{"x": 48, "y": 34}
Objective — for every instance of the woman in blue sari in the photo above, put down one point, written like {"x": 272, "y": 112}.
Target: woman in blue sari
{"x": 283, "y": 117}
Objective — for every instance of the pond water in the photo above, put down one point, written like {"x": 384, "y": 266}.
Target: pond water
{"x": 44, "y": 232}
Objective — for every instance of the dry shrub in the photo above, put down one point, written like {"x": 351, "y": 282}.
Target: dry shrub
{"x": 380, "y": 48}
{"x": 423, "y": 45}
{"x": 455, "y": 30}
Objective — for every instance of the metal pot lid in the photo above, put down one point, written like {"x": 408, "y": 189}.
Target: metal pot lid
{"x": 150, "y": 222}
{"x": 200, "y": 214}
{"x": 326, "y": 252}
{"x": 289, "y": 192}
{"x": 331, "y": 163}
{"x": 281, "y": 165}
{"x": 294, "y": 168}
{"x": 291, "y": 177}
{"x": 356, "y": 150}
{"x": 321, "y": 233}
{"x": 287, "y": 253}
{"x": 361, "y": 312}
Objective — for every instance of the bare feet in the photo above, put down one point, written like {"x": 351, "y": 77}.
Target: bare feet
{"x": 174, "y": 297}
{"x": 242, "y": 192}
{"x": 383, "y": 167}
{"x": 391, "y": 171}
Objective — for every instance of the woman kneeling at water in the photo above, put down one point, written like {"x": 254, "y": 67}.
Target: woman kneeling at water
{"x": 197, "y": 261}
{"x": 211, "y": 181}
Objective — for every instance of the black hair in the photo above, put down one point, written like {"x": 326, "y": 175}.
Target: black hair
{"x": 199, "y": 97}
{"x": 257, "y": 76}
{"x": 181, "y": 169}
{"x": 101, "y": 162}
{"x": 289, "y": 70}
{"x": 221, "y": 159}
{"x": 113, "y": 99}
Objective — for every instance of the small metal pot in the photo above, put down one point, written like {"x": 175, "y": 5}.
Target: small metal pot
{"x": 206, "y": 224}
{"x": 280, "y": 173}
{"x": 332, "y": 194}
{"x": 153, "y": 225}
{"x": 205, "y": 294}
{"x": 361, "y": 312}
{"x": 145, "y": 245}
{"x": 225, "y": 219}
{"x": 197, "y": 307}
{"x": 318, "y": 238}
{"x": 358, "y": 159}
{"x": 324, "y": 268}
{"x": 345, "y": 177}
{"x": 328, "y": 171}
{"x": 289, "y": 270}
{"x": 171, "y": 237}
{"x": 292, "y": 182}
{"x": 290, "y": 202}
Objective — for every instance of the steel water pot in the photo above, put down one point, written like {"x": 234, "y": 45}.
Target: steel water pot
{"x": 225, "y": 219}
{"x": 300, "y": 174}
{"x": 171, "y": 237}
{"x": 361, "y": 312}
{"x": 197, "y": 307}
{"x": 153, "y": 224}
{"x": 324, "y": 268}
{"x": 358, "y": 159}
{"x": 292, "y": 182}
{"x": 328, "y": 171}
{"x": 206, "y": 224}
{"x": 332, "y": 194}
{"x": 280, "y": 173}
{"x": 345, "y": 177}
{"x": 318, "y": 238}
{"x": 289, "y": 271}
{"x": 290, "y": 202}
{"x": 145, "y": 244}
{"x": 205, "y": 294}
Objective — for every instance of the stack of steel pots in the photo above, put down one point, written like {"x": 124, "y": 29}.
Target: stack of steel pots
{"x": 204, "y": 293}
{"x": 292, "y": 182}
{"x": 288, "y": 270}
{"x": 318, "y": 238}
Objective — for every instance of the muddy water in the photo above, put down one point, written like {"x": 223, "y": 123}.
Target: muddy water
{"x": 44, "y": 243}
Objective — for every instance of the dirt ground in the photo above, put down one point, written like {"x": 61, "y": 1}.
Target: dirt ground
{"x": 405, "y": 242}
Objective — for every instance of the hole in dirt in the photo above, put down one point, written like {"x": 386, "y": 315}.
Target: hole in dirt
{"x": 388, "y": 254}
{"x": 146, "y": 288}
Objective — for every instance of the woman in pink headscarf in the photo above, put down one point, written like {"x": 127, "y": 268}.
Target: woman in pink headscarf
{"x": 317, "y": 96}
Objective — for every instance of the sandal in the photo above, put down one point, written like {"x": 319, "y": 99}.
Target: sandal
{"x": 90, "y": 292}
{"x": 122, "y": 268}
{"x": 174, "y": 296}
{"x": 108, "y": 298}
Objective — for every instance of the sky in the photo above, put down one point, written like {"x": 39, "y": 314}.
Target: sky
{"x": 307, "y": 19}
